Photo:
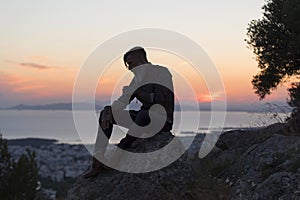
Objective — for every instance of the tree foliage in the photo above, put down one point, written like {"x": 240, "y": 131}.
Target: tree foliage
{"x": 294, "y": 101}
{"x": 275, "y": 40}
{"x": 294, "y": 92}
{"x": 18, "y": 179}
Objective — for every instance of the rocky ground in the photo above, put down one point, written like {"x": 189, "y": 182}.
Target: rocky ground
{"x": 261, "y": 164}
{"x": 244, "y": 164}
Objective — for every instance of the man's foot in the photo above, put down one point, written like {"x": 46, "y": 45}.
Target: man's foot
{"x": 97, "y": 167}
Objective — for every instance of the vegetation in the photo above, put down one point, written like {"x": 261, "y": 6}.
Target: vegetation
{"x": 61, "y": 187}
{"x": 294, "y": 101}
{"x": 18, "y": 179}
{"x": 275, "y": 40}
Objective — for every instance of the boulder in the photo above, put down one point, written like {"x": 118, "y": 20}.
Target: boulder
{"x": 171, "y": 182}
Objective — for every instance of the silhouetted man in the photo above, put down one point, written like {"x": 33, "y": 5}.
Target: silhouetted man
{"x": 152, "y": 85}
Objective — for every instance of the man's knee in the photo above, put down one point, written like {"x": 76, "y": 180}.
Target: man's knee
{"x": 105, "y": 112}
{"x": 100, "y": 117}
{"x": 108, "y": 127}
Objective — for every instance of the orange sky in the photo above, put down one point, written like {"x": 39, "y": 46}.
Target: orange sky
{"x": 44, "y": 45}
{"x": 42, "y": 81}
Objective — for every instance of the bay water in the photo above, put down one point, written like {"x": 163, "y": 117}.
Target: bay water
{"x": 60, "y": 124}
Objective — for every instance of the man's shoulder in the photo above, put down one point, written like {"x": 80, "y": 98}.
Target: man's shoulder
{"x": 160, "y": 67}
{"x": 154, "y": 70}
{"x": 156, "y": 65}
{"x": 164, "y": 71}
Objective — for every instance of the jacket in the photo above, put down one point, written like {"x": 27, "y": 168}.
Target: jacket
{"x": 152, "y": 84}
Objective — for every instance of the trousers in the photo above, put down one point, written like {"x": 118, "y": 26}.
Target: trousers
{"x": 140, "y": 118}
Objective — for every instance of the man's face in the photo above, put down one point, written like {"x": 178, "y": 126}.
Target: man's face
{"x": 132, "y": 61}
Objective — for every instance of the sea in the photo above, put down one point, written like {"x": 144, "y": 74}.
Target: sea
{"x": 60, "y": 125}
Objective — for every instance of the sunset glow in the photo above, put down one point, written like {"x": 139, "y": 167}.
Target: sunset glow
{"x": 43, "y": 51}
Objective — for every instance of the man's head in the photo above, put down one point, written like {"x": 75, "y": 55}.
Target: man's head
{"x": 134, "y": 57}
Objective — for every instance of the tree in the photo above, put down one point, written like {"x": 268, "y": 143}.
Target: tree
{"x": 5, "y": 167}
{"x": 294, "y": 120}
{"x": 18, "y": 180}
{"x": 275, "y": 40}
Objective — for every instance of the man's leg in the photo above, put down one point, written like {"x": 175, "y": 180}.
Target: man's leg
{"x": 140, "y": 118}
{"x": 100, "y": 148}
{"x": 102, "y": 139}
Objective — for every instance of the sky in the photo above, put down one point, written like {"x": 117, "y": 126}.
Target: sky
{"x": 44, "y": 44}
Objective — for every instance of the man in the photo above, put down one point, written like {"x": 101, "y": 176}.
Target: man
{"x": 152, "y": 85}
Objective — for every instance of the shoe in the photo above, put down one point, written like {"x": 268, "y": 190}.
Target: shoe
{"x": 97, "y": 167}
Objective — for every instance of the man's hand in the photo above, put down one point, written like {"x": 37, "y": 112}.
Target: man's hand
{"x": 106, "y": 117}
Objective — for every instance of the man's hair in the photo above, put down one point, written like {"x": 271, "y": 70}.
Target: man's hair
{"x": 135, "y": 51}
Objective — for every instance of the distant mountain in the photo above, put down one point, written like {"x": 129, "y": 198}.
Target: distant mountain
{"x": 237, "y": 107}
{"x": 56, "y": 106}
{"x": 35, "y": 142}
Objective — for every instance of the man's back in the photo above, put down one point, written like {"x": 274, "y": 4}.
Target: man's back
{"x": 157, "y": 81}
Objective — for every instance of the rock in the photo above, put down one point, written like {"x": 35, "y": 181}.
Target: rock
{"x": 267, "y": 158}
{"x": 258, "y": 163}
{"x": 280, "y": 185}
{"x": 193, "y": 150}
{"x": 171, "y": 182}
{"x": 244, "y": 164}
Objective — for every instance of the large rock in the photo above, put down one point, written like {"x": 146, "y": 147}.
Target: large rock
{"x": 255, "y": 164}
{"x": 171, "y": 182}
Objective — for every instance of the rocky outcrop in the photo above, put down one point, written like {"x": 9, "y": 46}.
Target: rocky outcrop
{"x": 255, "y": 164}
{"x": 244, "y": 164}
{"x": 171, "y": 182}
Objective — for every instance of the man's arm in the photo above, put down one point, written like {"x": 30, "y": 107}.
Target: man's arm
{"x": 144, "y": 97}
{"x": 119, "y": 104}
{"x": 125, "y": 98}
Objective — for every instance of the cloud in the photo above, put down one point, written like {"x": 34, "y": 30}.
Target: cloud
{"x": 9, "y": 61}
{"x": 35, "y": 65}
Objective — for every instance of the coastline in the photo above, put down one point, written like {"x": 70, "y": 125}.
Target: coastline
{"x": 37, "y": 141}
